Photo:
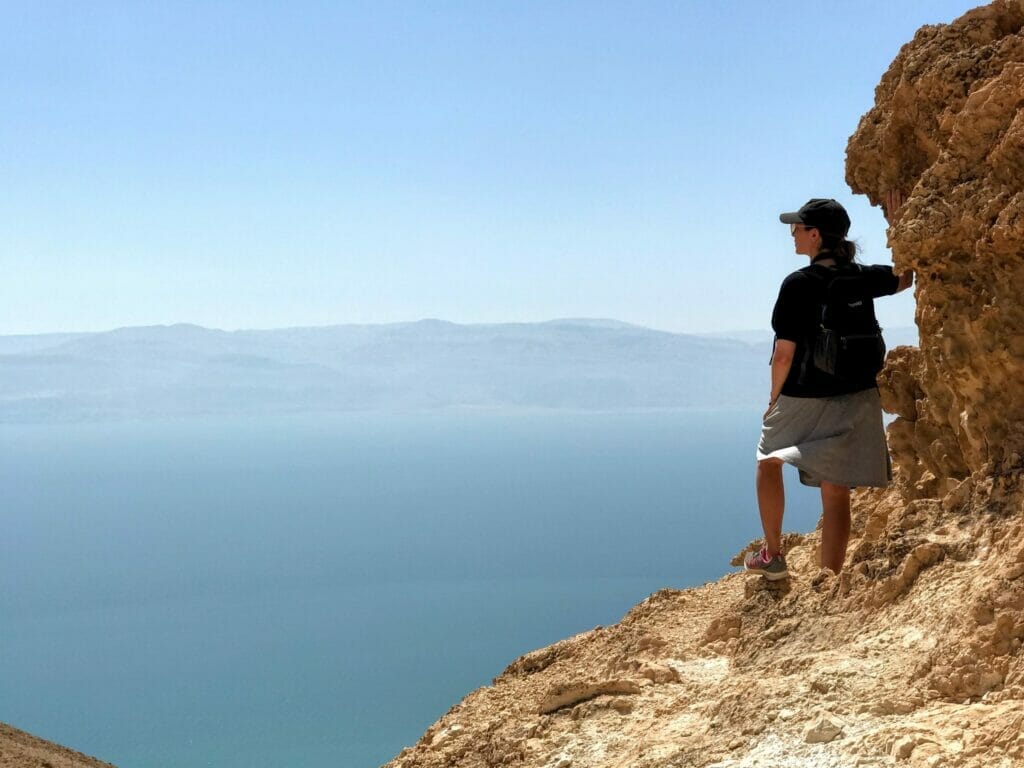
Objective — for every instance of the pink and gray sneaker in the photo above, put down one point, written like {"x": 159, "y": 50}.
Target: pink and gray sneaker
{"x": 772, "y": 568}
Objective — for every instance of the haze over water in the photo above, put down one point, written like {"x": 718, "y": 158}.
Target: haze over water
{"x": 316, "y": 590}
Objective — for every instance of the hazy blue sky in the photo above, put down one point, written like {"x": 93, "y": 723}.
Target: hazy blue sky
{"x": 251, "y": 164}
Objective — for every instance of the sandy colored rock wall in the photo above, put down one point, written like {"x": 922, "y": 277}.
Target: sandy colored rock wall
{"x": 947, "y": 128}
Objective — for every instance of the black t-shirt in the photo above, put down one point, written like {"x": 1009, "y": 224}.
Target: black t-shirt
{"x": 797, "y": 317}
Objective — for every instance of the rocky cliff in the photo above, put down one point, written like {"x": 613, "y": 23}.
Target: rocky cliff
{"x": 913, "y": 654}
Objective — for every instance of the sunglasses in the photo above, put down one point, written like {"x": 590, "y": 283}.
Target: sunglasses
{"x": 793, "y": 228}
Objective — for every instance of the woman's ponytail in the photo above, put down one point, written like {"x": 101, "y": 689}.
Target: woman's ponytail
{"x": 843, "y": 251}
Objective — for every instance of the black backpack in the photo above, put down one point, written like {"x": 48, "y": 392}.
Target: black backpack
{"x": 849, "y": 343}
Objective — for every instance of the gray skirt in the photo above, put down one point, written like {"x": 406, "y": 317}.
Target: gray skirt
{"x": 840, "y": 440}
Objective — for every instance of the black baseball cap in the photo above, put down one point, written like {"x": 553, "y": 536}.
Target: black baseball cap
{"x": 828, "y": 216}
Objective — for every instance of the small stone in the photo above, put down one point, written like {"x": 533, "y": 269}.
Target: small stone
{"x": 904, "y": 747}
{"x": 445, "y": 734}
{"x": 823, "y": 729}
{"x": 752, "y": 728}
{"x": 622, "y": 705}
{"x": 787, "y": 714}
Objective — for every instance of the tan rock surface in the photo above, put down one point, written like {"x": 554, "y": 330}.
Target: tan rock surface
{"x": 948, "y": 128}
{"x": 913, "y": 655}
{"x": 22, "y": 750}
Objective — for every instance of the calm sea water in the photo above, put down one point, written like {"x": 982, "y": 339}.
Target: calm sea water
{"x": 316, "y": 591}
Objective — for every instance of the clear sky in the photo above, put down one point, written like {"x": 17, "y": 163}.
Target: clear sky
{"x": 257, "y": 165}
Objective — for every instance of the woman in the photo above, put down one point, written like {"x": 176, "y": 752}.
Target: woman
{"x": 830, "y": 429}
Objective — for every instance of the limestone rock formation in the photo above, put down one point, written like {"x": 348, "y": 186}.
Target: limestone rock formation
{"x": 912, "y": 656}
{"x": 948, "y": 128}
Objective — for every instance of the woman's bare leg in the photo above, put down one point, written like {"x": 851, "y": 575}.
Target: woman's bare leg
{"x": 835, "y": 525}
{"x": 771, "y": 501}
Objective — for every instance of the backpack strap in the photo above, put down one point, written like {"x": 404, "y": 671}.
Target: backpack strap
{"x": 825, "y": 276}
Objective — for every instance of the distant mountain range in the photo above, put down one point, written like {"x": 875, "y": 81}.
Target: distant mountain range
{"x": 571, "y": 363}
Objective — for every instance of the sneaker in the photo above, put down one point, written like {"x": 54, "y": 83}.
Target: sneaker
{"x": 772, "y": 568}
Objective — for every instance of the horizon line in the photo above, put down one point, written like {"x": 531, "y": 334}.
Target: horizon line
{"x": 424, "y": 320}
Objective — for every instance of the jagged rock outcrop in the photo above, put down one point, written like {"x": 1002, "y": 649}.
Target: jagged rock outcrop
{"x": 948, "y": 129}
{"x": 912, "y": 656}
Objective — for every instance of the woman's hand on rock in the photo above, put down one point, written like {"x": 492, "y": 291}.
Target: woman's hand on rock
{"x": 892, "y": 206}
